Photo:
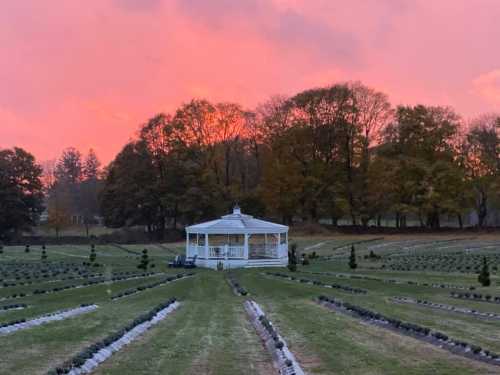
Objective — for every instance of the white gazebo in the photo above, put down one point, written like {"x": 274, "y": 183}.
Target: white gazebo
{"x": 237, "y": 240}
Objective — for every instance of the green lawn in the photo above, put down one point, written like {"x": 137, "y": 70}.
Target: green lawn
{"x": 210, "y": 334}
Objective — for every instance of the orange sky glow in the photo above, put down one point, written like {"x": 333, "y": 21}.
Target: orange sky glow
{"x": 88, "y": 73}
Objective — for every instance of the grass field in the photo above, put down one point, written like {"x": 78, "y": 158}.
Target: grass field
{"x": 210, "y": 333}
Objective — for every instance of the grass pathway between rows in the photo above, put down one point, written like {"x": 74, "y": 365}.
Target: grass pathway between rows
{"x": 208, "y": 334}
{"x": 36, "y": 350}
{"x": 330, "y": 343}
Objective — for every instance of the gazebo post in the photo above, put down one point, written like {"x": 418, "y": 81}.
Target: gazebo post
{"x": 245, "y": 246}
{"x": 278, "y": 246}
{"x": 206, "y": 246}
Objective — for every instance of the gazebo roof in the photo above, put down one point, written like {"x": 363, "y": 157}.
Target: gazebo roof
{"x": 237, "y": 223}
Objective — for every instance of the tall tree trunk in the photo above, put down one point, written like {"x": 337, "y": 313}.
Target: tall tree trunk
{"x": 460, "y": 221}
{"x": 482, "y": 209}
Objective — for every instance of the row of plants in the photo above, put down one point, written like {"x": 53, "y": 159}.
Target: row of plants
{"x": 12, "y": 324}
{"x": 67, "y": 278}
{"x": 94, "y": 282}
{"x": 451, "y": 262}
{"x": 393, "y": 281}
{"x": 435, "y": 337}
{"x": 41, "y": 270}
{"x": 476, "y": 297}
{"x": 142, "y": 288}
{"x": 445, "y": 307}
{"x": 79, "y": 360}
{"x": 235, "y": 284}
{"x": 13, "y": 306}
{"x": 345, "y": 288}
{"x": 274, "y": 342}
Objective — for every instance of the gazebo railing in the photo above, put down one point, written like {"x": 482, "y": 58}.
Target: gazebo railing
{"x": 230, "y": 252}
{"x": 262, "y": 250}
{"x": 238, "y": 252}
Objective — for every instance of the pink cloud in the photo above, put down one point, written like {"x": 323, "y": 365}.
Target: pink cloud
{"x": 488, "y": 86}
{"x": 86, "y": 74}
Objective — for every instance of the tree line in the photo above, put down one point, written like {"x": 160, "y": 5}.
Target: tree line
{"x": 341, "y": 152}
{"x": 336, "y": 152}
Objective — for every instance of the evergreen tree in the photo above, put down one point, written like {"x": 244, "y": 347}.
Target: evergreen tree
{"x": 92, "y": 255}
{"x": 292, "y": 258}
{"x": 144, "y": 260}
{"x": 91, "y": 166}
{"x": 352, "y": 259}
{"x": 305, "y": 260}
{"x": 1, "y": 249}
{"x": 27, "y": 249}
{"x": 484, "y": 275}
{"x": 44, "y": 254}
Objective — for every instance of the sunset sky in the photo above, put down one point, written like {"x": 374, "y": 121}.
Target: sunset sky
{"x": 87, "y": 73}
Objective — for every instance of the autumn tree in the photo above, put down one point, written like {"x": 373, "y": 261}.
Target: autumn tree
{"x": 482, "y": 150}
{"x": 21, "y": 192}
{"x": 89, "y": 190}
{"x": 129, "y": 196}
{"x": 421, "y": 144}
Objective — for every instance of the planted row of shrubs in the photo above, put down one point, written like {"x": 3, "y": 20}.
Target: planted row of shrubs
{"x": 32, "y": 271}
{"x": 442, "y": 306}
{"x": 394, "y": 281}
{"x": 80, "y": 285}
{"x": 23, "y": 320}
{"x": 476, "y": 297}
{"x": 72, "y": 277}
{"x": 345, "y": 288}
{"x": 448, "y": 262}
{"x": 79, "y": 359}
{"x": 235, "y": 284}
{"x": 13, "y": 306}
{"x": 279, "y": 345}
{"x": 141, "y": 288}
{"x": 413, "y": 329}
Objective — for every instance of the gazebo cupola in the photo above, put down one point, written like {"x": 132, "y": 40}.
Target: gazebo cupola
{"x": 237, "y": 240}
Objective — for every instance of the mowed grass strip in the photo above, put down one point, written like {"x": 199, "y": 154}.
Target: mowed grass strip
{"x": 100, "y": 293}
{"x": 209, "y": 334}
{"x": 37, "y": 350}
{"x": 467, "y": 328}
{"x": 328, "y": 343}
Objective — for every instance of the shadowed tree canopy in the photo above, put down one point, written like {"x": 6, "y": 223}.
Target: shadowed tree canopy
{"x": 21, "y": 191}
{"x": 337, "y": 152}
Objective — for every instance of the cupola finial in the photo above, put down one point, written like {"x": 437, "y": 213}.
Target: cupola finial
{"x": 236, "y": 209}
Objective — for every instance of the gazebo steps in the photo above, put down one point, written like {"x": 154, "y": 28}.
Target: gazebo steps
{"x": 254, "y": 263}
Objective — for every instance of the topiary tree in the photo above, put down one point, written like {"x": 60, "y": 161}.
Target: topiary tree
{"x": 44, "y": 255}
{"x": 352, "y": 259}
{"x": 1, "y": 249}
{"x": 305, "y": 260}
{"x": 93, "y": 255}
{"x": 27, "y": 249}
{"x": 292, "y": 258}
{"x": 144, "y": 260}
{"x": 484, "y": 274}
